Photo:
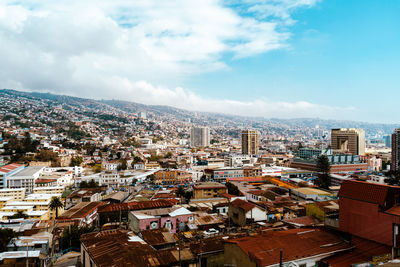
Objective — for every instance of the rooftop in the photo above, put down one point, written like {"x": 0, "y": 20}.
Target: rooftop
{"x": 80, "y": 210}
{"x": 296, "y": 244}
{"x": 28, "y": 171}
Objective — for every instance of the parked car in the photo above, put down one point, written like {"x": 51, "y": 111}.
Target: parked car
{"x": 211, "y": 232}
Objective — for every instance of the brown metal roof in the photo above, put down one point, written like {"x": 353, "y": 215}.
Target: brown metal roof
{"x": 80, "y": 210}
{"x": 138, "y": 205}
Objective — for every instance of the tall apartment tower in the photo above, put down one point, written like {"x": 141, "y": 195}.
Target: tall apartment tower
{"x": 396, "y": 150}
{"x": 199, "y": 137}
{"x": 249, "y": 142}
{"x": 348, "y": 140}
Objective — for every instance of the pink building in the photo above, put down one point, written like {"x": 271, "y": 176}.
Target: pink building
{"x": 171, "y": 218}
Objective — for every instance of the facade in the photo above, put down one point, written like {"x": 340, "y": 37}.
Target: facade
{"x": 208, "y": 190}
{"x": 173, "y": 219}
{"x": 24, "y": 178}
{"x": 8, "y": 170}
{"x": 172, "y": 177}
{"x": 348, "y": 140}
{"x": 300, "y": 247}
{"x": 396, "y": 150}
{"x": 237, "y": 160}
{"x": 200, "y": 137}
{"x": 109, "y": 179}
{"x": 371, "y": 211}
{"x": 350, "y": 166}
{"x": 249, "y": 142}
{"x": 17, "y": 194}
{"x": 223, "y": 174}
{"x": 242, "y": 212}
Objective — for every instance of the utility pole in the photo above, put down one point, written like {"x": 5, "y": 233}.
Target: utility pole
{"x": 179, "y": 249}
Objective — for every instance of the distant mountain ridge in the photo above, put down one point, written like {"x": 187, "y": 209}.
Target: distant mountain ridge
{"x": 207, "y": 117}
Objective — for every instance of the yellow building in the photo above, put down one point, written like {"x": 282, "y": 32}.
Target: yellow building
{"x": 209, "y": 190}
{"x": 16, "y": 193}
{"x": 48, "y": 190}
{"x": 5, "y": 200}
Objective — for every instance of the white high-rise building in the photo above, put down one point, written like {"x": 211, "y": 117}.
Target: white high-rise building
{"x": 200, "y": 137}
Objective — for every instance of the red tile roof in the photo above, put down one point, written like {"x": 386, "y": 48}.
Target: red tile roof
{"x": 141, "y": 205}
{"x": 242, "y": 204}
{"x": 265, "y": 248}
{"x": 10, "y": 167}
{"x": 363, "y": 191}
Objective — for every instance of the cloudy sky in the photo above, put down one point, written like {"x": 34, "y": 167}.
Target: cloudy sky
{"x": 273, "y": 58}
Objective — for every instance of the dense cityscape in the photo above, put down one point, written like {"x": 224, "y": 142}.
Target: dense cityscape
{"x": 199, "y": 133}
{"x": 111, "y": 183}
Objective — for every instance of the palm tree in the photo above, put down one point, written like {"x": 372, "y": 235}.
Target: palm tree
{"x": 55, "y": 204}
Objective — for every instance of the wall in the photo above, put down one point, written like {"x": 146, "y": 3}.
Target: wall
{"x": 364, "y": 220}
{"x": 234, "y": 256}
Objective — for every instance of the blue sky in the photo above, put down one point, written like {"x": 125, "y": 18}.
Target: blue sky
{"x": 272, "y": 58}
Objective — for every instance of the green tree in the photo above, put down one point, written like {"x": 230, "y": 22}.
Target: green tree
{"x": 232, "y": 189}
{"x": 323, "y": 168}
{"x": 92, "y": 184}
{"x": 70, "y": 236}
{"x": 55, "y": 204}
{"x": 122, "y": 165}
{"x": 180, "y": 192}
{"x": 18, "y": 215}
{"x": 5, "y": 237}
{"x": 83, "y": 184}
{"x": 76, "y": 161}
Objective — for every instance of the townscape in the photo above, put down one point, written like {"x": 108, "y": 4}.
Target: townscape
{"x": 111, "y": 183}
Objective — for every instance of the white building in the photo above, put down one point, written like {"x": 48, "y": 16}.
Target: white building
{"x": 25, "y": 178}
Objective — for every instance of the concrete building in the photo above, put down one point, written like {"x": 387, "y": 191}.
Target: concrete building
{"x": 17, "y": 194}
{"x": 208, "y": 190}
{"x": 249, "y": 142}
{"x": 396, "y": 150}
{"x": 24, "y": 178}
{"x": 8, "y": 170}
{"x": 348, "y": 140}
{"x": 172, "y": 177}
{"x": 200, "y": 137}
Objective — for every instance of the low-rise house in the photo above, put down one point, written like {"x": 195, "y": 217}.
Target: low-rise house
{"x": 158, "y": 238}
{"x": 308, "y": 193}
{"x": 83, "y": 213}
{"x": 299, "y": 247}
{"x": 123, "y": 248}
{"x": 85, "y": 195}
{"x": 118, "y": 212}
{"x": 173, "y": 219}
{"x": 242, "y": 212}
{"x": 321, "y": 210}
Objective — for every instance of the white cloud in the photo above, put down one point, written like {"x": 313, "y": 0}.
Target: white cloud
{"x": 121, "y": 49}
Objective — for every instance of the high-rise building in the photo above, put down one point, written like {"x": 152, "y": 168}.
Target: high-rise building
{"x": 348, "y": 140}
{"x": 249, "y": 142}
{"x": 388, "y": 140}
{"x": 396, "y": 150}
{"x": 200, "y": 137}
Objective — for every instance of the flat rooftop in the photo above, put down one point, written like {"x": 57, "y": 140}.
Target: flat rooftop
{"x": 311, "y": 191}
{"x": 28, "y": 171}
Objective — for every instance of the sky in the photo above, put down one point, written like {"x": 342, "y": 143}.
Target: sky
{"x": 270, "y": 58}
